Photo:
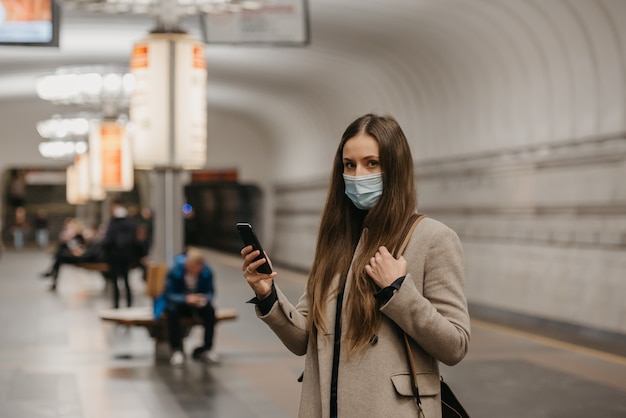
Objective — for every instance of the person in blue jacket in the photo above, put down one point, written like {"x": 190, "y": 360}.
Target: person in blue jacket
{"x": 189, "y": 291}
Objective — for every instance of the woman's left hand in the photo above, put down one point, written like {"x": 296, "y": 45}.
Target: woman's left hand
{"x": 384, "y": 269}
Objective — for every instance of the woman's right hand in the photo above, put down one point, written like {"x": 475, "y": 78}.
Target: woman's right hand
{"x": 260, "y": 283}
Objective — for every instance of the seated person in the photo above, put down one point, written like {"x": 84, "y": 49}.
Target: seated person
{"x": 189, "y": 292}
{"x": 70, "y": 236}
{"x": 85, "y": 247}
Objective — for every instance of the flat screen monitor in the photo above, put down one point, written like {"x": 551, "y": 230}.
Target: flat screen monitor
{"x": 29, "y": 22}
{"x": 280, "y": 22}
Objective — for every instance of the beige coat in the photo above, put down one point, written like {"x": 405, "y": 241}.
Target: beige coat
{"x": 430, "y": 306}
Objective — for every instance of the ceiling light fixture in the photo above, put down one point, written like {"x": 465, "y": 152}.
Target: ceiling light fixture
{"x": 62, "y": 150}
{"x": 68, "y": 135}
{"x": 105, "y": 88}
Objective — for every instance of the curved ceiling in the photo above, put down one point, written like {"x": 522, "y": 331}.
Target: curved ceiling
{"x": 462, "y": 77}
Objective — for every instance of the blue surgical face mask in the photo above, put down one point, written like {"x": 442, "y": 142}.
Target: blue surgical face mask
{"x": 364, "y": 191}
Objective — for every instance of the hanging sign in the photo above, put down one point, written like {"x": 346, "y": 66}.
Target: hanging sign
{"x": 96, "y": 191}
{"x": 168, "y": 104}
{"x": 111, "y": 163}
{"x": 72, "y": 191}
{"x": 81, "y": 164}
{"x": 279, "y": 22}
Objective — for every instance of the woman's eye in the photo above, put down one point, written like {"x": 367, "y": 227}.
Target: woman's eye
{"x": 349, "y": 165}
{"x": 373, "y": 163}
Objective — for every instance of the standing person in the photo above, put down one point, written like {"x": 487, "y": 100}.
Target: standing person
{"x": 17, "y": 189}
{"x": 119, "y": 246}
{"x": 19, "y": 228}
{"x": 41, "y": 228}
{"x": 359, "y": 298}
{"x": 189, "y": 292}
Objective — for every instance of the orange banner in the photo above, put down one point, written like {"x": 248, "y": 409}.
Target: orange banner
{"x": 198, "y": 56}
{"x": 139, "y": 59}
{"x": 111, "y": 151}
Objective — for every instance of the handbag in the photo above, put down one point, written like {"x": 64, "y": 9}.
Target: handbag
{"x": 450, "y": 406}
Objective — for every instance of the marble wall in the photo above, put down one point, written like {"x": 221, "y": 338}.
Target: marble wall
{"x": 543, "y": 229}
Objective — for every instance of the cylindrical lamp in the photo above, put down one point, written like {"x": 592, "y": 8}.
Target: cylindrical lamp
{"x": 168, "y": 105}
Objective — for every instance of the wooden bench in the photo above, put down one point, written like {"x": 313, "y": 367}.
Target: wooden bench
{"x": 143, "y": 316}
{"x": 100, "y": 267}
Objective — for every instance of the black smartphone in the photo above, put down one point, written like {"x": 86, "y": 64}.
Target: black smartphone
{"x": 249, "y": 238}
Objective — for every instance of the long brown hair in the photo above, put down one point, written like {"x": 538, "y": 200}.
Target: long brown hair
{"x": 342, "y": 226}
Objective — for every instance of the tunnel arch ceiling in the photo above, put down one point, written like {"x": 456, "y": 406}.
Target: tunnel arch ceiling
{"x": 462, "y": 77}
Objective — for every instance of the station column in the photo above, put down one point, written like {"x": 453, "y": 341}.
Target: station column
{"x": 168, "y": 113}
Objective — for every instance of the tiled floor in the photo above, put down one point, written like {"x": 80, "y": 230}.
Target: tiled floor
{"x": 58, "y": 359}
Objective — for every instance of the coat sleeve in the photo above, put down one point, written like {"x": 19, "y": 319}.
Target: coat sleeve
{"x": 436, "y": 317}
{"x": 289, "y": 322}
{"x": 174, "y": 293}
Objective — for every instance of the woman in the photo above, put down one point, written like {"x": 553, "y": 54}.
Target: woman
{"x": 357, "y": 366}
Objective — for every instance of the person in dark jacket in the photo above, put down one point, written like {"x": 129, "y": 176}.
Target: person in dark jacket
{"x": 119, "y": 246}
{"x": 189, "y": 291}
{"x": 84, "y": 247}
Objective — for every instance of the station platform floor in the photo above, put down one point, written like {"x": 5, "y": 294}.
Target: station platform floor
{"x": 58, "y": 359}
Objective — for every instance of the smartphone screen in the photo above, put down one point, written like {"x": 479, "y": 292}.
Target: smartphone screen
{"x": 249, "y": 238}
